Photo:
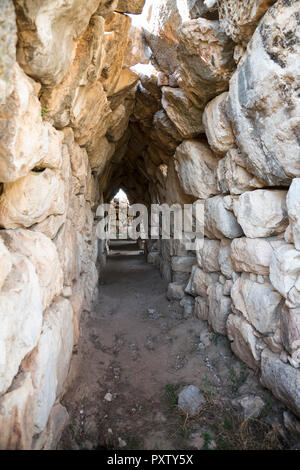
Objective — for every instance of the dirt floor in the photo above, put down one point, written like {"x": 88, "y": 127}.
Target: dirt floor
{"x": 136, "y": 352}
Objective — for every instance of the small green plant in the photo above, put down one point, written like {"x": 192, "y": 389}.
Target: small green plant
{"x": 44, "y": 111}
{"x": 207, "y": 440}
{"x": 227, "y": 424}
{"x": 171, "y": 392}
{"x": 237, "y": 379}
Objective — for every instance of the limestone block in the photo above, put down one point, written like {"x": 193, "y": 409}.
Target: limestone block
{"x": 137, "y": 51}
{"x": 261, "y": 213}
{"x": 199, "y": 282}
{"x": 20, "y": 316}
{"x": 284, "y": 273}
{"x": 5, "y": 263}
{"x": 253, "y": 255}
{"x": 219, "y": 308}
{"x": 217, "y": 125}
{"x": 282, "y": 379}
{"x": 290, "y": 328}
{"x": 23, "y": 136}
{"x": 232, "y": 175}
{"x": 201, "y": 308}
{"x": 68, "y": 252}
{"x": 57, "y": 422}
{"x": 206, "y": 62}
{"x": 130, "y": 6}
{"x": 85, "y": 69}
{"x": 195, "y": 165}
{"x": 182, "y": 263}
{"x": 43, "y": 255}
{"x": 224, "y": 259}
{"x": 220, "y": 222}
{"x": 239, "y": 20}
{"x": 47, "y": 33}
{"x": 175, "y": 291}
{"x": 31, "y": 199}
{"x": 16, "y": 415}
{"x": 186, "y": 117}
{"x": 203, "y": 9}
{"x": 293, "y": 207}
{"x": 8, "y": 41}
{"x": 245, "y": 343}
{"x": 49, "y": 362}
{"x": 259, "y": 303}
{"x": 164, "y": 133}
{"x": 263, "y": 98}
{"x": 208, "y": 255}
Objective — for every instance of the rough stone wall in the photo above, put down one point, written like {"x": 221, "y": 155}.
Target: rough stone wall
{"x": 201, "y": 102}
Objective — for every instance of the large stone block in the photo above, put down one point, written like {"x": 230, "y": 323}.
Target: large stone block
{"x": 5, "y": 263}
{"x": 245, "y": 342}
{"x": 186, "y": 117}
{"x": 16, "y": 415}
{"x": 219, "y": 308}
{"x": 130, "y": 6}
{"x": 23, "y": 136}
{"x": 49, "y": 362}
{"x": 284, "y": 273}
{"x": 47, "y": 33}
{"x": 21, "y": 314}
{"x": 206, "y": 62}
{"x": 43, "y": 255}
{"x": 262, "y": 213}
{"x": 31, "y": 199}
{"x": 259, "y": 303}
{"x": 219, "y": 221}
{"x": 8, "y": 41}
{"x": 253, "y": 255}
{"x": 293, "y": 207}
{"x": 290, "y": 328}
{"x": 239, "y": 20}
{"x": 263, "y": 97}
{"x": 217, "y": 125}
{"x": 282, "y": 379}
{"x": 196, "y": 165}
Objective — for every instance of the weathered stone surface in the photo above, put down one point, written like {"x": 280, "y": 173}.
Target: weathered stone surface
{"x": 244, "y": 341}
{"x": 282, "y": 379}
{"x": 284, "y": 273}
{"x": 47, "y": 31}
{"x": 225, "y": 260}
{"x": 253, "y": 255}
{"x": 239, "y": 20}
{"x": 203, "y": 9}
{"x": 195, "y": 165}
{"x": 182, "y": 112}
{"x": 31, "y": 199}
{"x": 200, "y": 281}
{"x": 117, "y": 28}
{"x": 23, "y": 136}
{"x": 16, "y": 415}
{"x": 175, "y": 291}
{"x": 5, "y": 263}
{"x": 261, "y": 213}
{"x": 190, "y": 400}
{"x": 219, "y": 308}
{"x": 69, "y": 255}
{"x": 8, "y": 40}
{"x": 161, "y": 24}
{"x": 207, "y": 256}
{"x": 259, "y": 303}
{"x": 252, "y": 406}
{"x": 217, "y": 125}
{"x": 164, "y": 133}
{"x": 49, "y": 362}
{"x": 130, "y": 6}
{"x": 137, "y": 52}
{"x": 20, "y": 316}
{"x": 293, "y": 207}
{"x": 206, "y": 62}
{"x": 263, "y": 97}
{"x": 220, "y": 222}
{"x": 290, "y": 328}
{"x": 42, "y": 254}
{"x": 57, "y": 422}
{"x": 201, "y": 308}
{"x": 183, "y": 263}
{"x": 232, "y": 176}
{"x": 59, "y": 100}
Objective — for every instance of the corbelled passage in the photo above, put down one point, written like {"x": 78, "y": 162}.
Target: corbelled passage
{"x": 172, "y": 101}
